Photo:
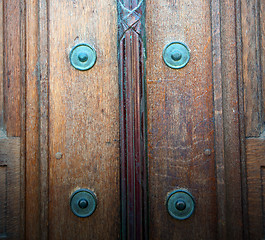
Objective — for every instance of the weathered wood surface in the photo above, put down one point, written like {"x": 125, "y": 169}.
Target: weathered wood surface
{"x": 83, "y": 119}
{"x": 77, "y": 114}
{"x": 133, "y": 119}
{"x": 181, "y": 124}
{"x": 253, "y": 42}
{"x": 219, "y": 121}
{"x": 32, "y": 194}
{"x": 9, "y": 187}
{"x": 180, "y": 119}
{"x": 255, "y": 149}
{"x": 11, "y": 208}
{"x": 44, "y": 91}
{"x": 12, "y": 67}
{"x": 253, "y": 35}
{"x": 232, "y": 165}
{"x": 262, "y": 52}
{"x": 1, "y": 64}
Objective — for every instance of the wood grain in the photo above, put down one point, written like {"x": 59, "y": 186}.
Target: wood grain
{"x": 83, "y": 119}
{"x": 12, "y": 67}
{"x": 133, "y": 119}
{"x": 32, "y": 193}
{"x": 23, "y": 80}
{"x": 1, "y": 64}
{"x": 255, "y": 152}
{"x": 253, "y": 62}
{"x": 43, "y": 88}
{"x": 241, "y": 121}
{"x": 10, "y": 187}
{"x": 219, "y": 121}
{"x": 231, "y": 121}
{"x": 10, "y": 93}
{"x": 180, "y": 119}
{"x": 262, "y": 52}
{"x": 77, "y": 113}
{"x": 253, "y": 30}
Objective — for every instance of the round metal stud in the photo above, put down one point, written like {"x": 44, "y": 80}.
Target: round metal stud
{"x": 180, "y": 204}
{"x": 83, "y": 57}
{"x": 83, "y": 203}
{"x": 207, "y": 152}
{"x": 176, "y": 55}
{"x": 58, "y": 155}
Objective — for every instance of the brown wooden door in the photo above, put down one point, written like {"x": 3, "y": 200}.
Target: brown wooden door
{"x": 181, "y": 120}
{"x": 131, "y": 129}
{"x": 79, "y": 119}
{"x": 253, "y": 52}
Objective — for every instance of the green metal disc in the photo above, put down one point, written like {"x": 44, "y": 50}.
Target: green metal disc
{"x": 83, "y": 57}
{"x": 180, "y": 204}
{"x": 176, "y": 55}
{"x": 83, "y": 203}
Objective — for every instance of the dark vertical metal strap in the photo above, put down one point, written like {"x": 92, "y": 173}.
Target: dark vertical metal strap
{"x": 132, "y": 119}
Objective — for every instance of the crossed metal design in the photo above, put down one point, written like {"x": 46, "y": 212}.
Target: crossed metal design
{"x": 130, "y": 19}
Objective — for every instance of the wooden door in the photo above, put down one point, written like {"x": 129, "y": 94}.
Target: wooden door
{"x": 131, "y": 129}
{"x": 253, "y": 60}
{"x": 78, "y": 125}
{"x": 194, "y": 119}
{"x": 181, "y": 126}
{"x": 69, "y": 120}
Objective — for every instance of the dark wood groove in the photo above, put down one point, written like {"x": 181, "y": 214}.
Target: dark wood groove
{"x": 218, "y": 115}
{"x": 44, "y": 113}
{"x": 242, "y": 128}
{"x": 232, "y": 153}
{"x": 23, "y": 119}
{"x": 132, "y": 120}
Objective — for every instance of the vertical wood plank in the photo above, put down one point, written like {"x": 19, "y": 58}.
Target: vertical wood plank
{"x": 12, "y": 67}
{"x": 253, "y": 31}
{"x": 252, "y": 55}
{"x": 133, "y": 119}
{"x": 83, "y": 119}
{"x": 3, "y": 158}
{"x": 23, "y": 81}
{"x": 262, "y": 52}
{"x": 10, "y": 155}
{"x": 255, "y": 152}
{"x": 231, "y": 121}
{"x": 1, "y": 64}
{"x": 218, "y": 115}
{"x": 32, "y": 197}
{"x": 180, "y": 119}
{"x": 3, "y": 197}
{"x": 43, "y": 88}
{"x": 11, "y": 54}
{"x": 242, "y": 129}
